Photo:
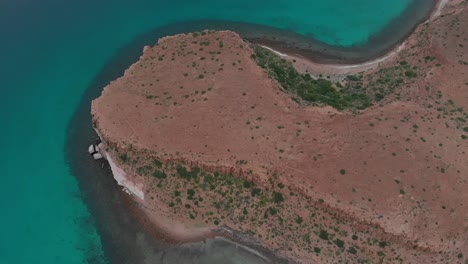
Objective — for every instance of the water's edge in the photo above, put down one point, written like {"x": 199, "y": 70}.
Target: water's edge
{"x": 125, "y": 241}
{"x": 392, "y": 35}
{"x": 378, "y": 45}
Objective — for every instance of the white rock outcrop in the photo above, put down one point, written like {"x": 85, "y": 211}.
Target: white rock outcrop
{"x": 130, "y": 186}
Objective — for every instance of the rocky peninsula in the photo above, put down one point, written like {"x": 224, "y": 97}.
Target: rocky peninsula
{"x": 214, "y": 136}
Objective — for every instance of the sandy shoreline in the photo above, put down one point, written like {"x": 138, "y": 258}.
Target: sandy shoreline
{"x": 163, "y": 229}
{"x": 310, "y": 65}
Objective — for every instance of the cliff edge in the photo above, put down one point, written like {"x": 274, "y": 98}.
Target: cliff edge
{"x": 214, "y": 132}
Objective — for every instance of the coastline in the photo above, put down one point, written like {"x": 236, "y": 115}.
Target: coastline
{"x": 165, "y": 233}
{"x": 169, "y": 231}
{"x": 123, "y": 238}
{"x": 351, "y": 67}
{"x": 293, "y": 44}
{"x": 340, "y": 70}
{"x": 159, "y": 228}
{"x": 377, "y": 46}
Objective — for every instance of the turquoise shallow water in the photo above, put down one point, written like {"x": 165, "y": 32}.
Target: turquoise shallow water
{"x": 51, "y": 51}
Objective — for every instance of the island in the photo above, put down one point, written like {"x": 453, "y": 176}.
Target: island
{"x": 211, "y": 135}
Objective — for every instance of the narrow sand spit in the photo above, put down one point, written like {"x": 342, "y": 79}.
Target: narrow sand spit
{"x": 276, "y": 52}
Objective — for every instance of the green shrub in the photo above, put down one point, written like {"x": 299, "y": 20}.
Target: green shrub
{"x": 184, "y": 173}
{"x": 157, "y": 163}
{"x": 324, "y": 234}
{"x": 272, "y": 210}
{"x": 124, "y": 157}
{"x": 190, "y": 192}
{"x": 352, "y": 78}
{"x": 247, "y": 184}
{"x": 411, "y": 74}
{"x": 143, "y": 170}
{"x": 299, "y": 220}
{"x": 256, "y": 192}
{"x": 320, "y": 91}
{"x": 278, "y": 197}
{"x": 159, "y": 174}
{"x": 352, "y": 250}
{"x": 340, "y": 243}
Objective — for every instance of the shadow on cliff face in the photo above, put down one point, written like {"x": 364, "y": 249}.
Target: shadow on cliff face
{"x": 123, "y": 238}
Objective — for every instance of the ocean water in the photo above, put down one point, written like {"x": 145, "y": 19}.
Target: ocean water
{"x": 55, "y": 56}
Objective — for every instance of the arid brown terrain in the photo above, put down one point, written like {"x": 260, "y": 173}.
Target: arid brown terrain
{"x": 215, "y": 141}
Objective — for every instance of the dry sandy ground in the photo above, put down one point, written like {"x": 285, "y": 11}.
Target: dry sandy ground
{"x": 399, "y": 166}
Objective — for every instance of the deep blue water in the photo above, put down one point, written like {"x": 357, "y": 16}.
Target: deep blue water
{"x": 54, "y": 52}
